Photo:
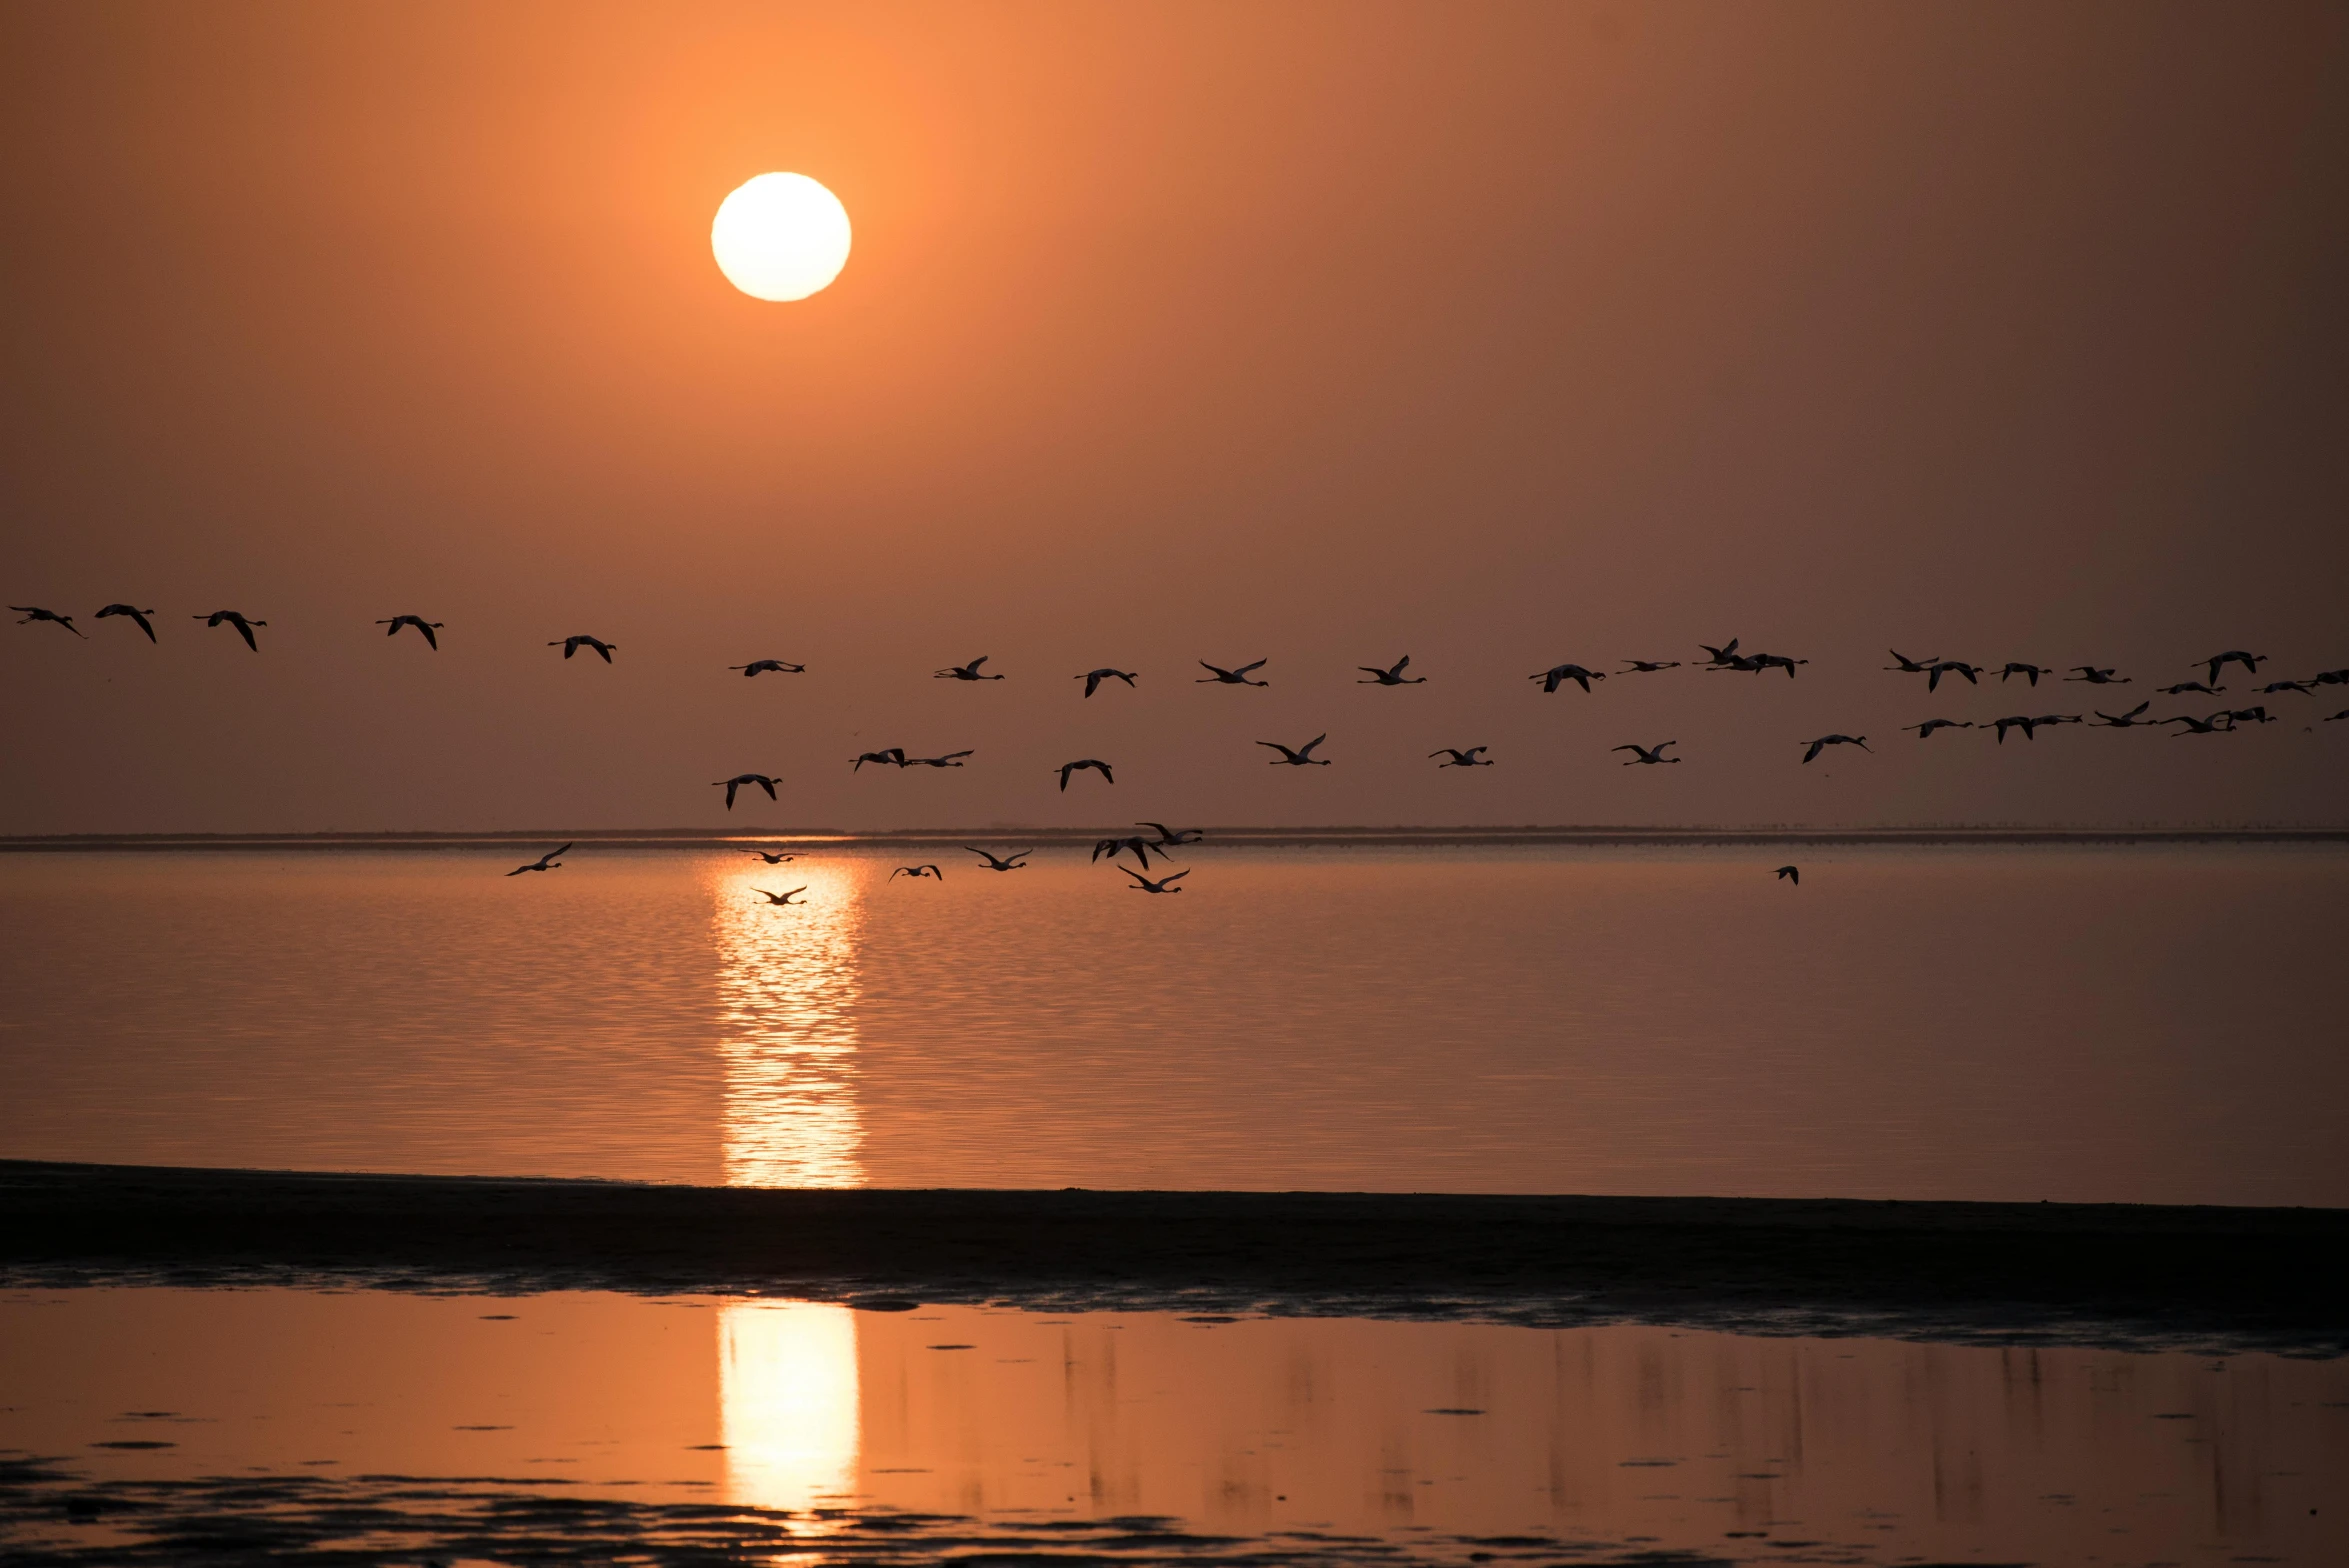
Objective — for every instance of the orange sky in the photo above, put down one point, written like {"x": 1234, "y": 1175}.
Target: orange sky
{"x": 1498, "y": 336}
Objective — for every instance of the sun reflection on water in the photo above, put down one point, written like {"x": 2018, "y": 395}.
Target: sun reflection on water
{"x": 787, "y": 1380}
{"x": 787, "y": 991}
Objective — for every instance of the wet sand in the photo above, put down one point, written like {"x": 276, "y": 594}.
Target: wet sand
{"x": 2124, "y": 1276}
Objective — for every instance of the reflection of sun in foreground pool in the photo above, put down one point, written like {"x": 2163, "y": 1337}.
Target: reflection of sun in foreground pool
{"x": 787, "y": 991}
{"x": 787, "y": 1401}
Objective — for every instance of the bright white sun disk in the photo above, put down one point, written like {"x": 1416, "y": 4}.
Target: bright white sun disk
{"x": 780, "y": 237}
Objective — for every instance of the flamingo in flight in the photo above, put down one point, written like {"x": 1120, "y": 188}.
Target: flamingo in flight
{"x": 33, "y": 612}
{"x": 1647, "y": 754}
{"x": 1217, "y": 675}
{"x": 1825, "y": 741}
{"x": 1469, "y": 758}
{"x": 135, "y": 613}
{"x": 1095, "y": 763}
{"x": 1558, "y": 675}
{"x": 964, "y": 672}
{"x": 1169, "y": 838}
{"x": 244, "y": 627}
{"x": 1166, "y": 884}
{"x": 760, "y": 780}
{"x": 768, "y": 666}
{"x": 571, "y": 645}
{"x": 545, "y": 862}
{"x": 1300, "y": 757}
{"x": 1790, "y": 874}
{"x": 1133, "y": 843}
{"x": 1926, "y": 729}
{"x": 1015, "y": 861}
{"x": 781, "y": 900}
{"x": 417, "y": 621}
{"x": 952, "y": 759}
{"x": 2219, "y": 661}
{"x": 1094, "y": 678}
{"x": 1390, "y": 676}
{"x": 1647, "y": 666}
{"x": 893, "y": 756}
{"x": 917, "y": 873}
{"x": 770, "y": 857}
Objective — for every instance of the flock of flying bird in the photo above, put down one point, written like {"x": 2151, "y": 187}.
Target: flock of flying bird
{"x": 1724, "y": 658}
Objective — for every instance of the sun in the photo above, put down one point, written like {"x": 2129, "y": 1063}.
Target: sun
{"x": 780, "y": 237}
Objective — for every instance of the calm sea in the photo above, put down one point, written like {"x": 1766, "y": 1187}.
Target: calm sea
{"x": 2129, "y": 1023}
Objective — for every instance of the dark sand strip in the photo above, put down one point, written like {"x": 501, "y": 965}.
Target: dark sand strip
{"x": 2118, "y": 1275}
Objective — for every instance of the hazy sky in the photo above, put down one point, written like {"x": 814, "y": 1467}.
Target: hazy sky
{"x": 1496, "y": 335}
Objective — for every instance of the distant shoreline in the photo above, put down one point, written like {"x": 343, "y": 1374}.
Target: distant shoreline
{"x": 2123, "y": 1275}
{"x": 1217, "y": 837}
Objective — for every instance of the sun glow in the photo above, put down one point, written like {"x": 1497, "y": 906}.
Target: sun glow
{"x": 787, "y": 1043}
{"x": 780, "y": 237}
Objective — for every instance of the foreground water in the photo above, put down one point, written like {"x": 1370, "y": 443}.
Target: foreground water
{"x": 381, "y": 1427}
{"x": 2130, "y": 1024}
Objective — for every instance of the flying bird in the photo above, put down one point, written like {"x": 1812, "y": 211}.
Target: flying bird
{"x": 762, "y": 780}
{"x": 2320, "y": 678}
{"x": 2305, "y": 688}
{"x": 2016, "y": 721}
{"x": 1011, "y": 862}
{"x": 244, "y": 627}
{"x": 1558, "y": 675}
{"x": 1647, "y": 666}
{"x": 1776, "y": 661}
{"x": 1166, "y": 884}
{"x": 2123, "y": 721}
{"x": 1391, "y": 676}
{"x": 764, "y": 666}
{"x": 1790, "y": 874}
{"x": 2258, "y": 715}
{"x": 952, "y": 759}
{"x": 1825, "y": 741}
{"x": 964, "y": 672}
{"x": 916, "y": 872}
{"x": 1903, "y": 663}
{"x": 417, "y": 621}
{"x": 1095, "y": 763}
{"x": 571, "y": 645}
{"x": 770, "y": 859}
{"x": 2184, "y": 687}
{"x": 1094, "y": 678}
{"x": 2096, "y": 677}
{"x": 1301, "y": 757}
{"x": 1647, "y": 754}
{"x": 33, "y": 612}
{"x": 894, "y": 757}
{"x": 1135, "y": 844}
{"x": 1217, "y": 675}
{"x": 135, "y": 613}
{"x": 545, "y": 862}
{"x": 1926, "y": 729}
{"x": 1941, "y": 667}
{"x": 783, "y": 899}
{"x": 1171, "y": 837}
{"x": 2216, "y": 724}
{"x": 2219, "y": 661}
{"x": 2343, "y": 714}
{"x": 1462, "y": 759}
{"x": 2030, "y": 672}
{"x": 1726, "y": 652}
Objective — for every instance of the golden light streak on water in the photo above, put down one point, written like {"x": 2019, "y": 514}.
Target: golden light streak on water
{"x": 787, "y": 1402}
{"x": 787, "y": 992}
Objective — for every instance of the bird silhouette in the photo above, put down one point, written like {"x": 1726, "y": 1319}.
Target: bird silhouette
{"x": 1776, "y": 661}
{"x": 1095, "y": 763}
{"x": 571, "y": 645}
{"x": 964, "y": 672}
{"x": 2305, "y": 688}
{"x": 545, "y": 862}
{"x": 1725, "y": 653}
{"x": 2184, "y": 687}
{"x": 1390, "y": 676}
{"x": 1217, "y": 675}
{"x": 1558, "y": 675}
{"x": 1094, "y": 678}
{"x": 1011, "y": 862}
{"x": 893, "y": 756}
{"x": 2123, "y": 721}
{"x": 2335, "y": 718}
{"x": 1171, "y": 837}
{"x": 1825, "y": 741}
{"x": 2015, "y": 721}
{"x": 770, "y": 858}
{"x": 916, "y": 872}
{"x": 2217, "y": 724}
{"x": 2320, "y": 678}
{"x": 1647, "y": 666}
{"x": 2096, "y": 677}
{"x": 1647, "y": 754}
{"x": 765, "y": 666}
{"x": 1133, "y": 843}
{"x": 1904, "y": 664}
{"x": 1790, "y": 874}
{"x": 417, "y": 621}
{"x": 134, "y": 612}
{"x": 33, "y": 612}
{"x": 1462, "y": 759}
{"x": 1165, "y": 884}
{"x": 763, "y": 781}
{"x": 782, "y": 899}
{"x": 2219, "y": 661}
{"x": 2258, "y": 715}
{"x": 1926, "y": 729}
{"x": 244, "y": 627}
{"x": 1745, "y": 663}
{"x": 1941, "y": 667}
{"x": 1301, "y": 757}
{"x": 2030, "y": 672}
{"x": 952, "y": 759}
